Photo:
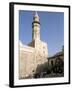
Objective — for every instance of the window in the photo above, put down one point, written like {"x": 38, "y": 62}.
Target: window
{"x": 52, "y": 63}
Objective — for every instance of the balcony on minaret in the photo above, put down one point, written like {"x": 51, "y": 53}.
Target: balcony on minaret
{"x": 36, "y": 18}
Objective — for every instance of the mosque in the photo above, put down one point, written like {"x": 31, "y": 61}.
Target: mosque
{"x": 33, "y": 54}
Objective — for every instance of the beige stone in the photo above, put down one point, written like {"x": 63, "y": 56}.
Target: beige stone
{"x": 34, "y": 54}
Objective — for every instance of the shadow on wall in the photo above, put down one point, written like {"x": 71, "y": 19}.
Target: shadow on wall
{"x": 45, "y": 70}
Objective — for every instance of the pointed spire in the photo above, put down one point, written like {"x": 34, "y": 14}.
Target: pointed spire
{"x": 36, "y": 17}
{"x": 36, "y": 14}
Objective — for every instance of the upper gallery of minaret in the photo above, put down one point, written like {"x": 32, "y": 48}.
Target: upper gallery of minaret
{"x": 36, "y": 27}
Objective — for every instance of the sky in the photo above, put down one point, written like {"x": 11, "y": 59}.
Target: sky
{"x": 51, "y": 29}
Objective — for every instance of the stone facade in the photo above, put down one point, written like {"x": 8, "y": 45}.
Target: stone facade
{"x": 56, "y": 63}
{"x": 59, "y": 56}
{"x": 34, "y": 54}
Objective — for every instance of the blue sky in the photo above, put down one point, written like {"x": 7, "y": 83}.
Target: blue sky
{"x": 51, "y": 30}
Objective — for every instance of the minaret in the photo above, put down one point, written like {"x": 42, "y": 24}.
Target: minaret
{"x": 36, "y": 27}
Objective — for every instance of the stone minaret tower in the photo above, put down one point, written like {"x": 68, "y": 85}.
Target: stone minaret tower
{"x": 35, "y": 54}
{"x": 37, "y": 43}
{"x": 35, "y": 28}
